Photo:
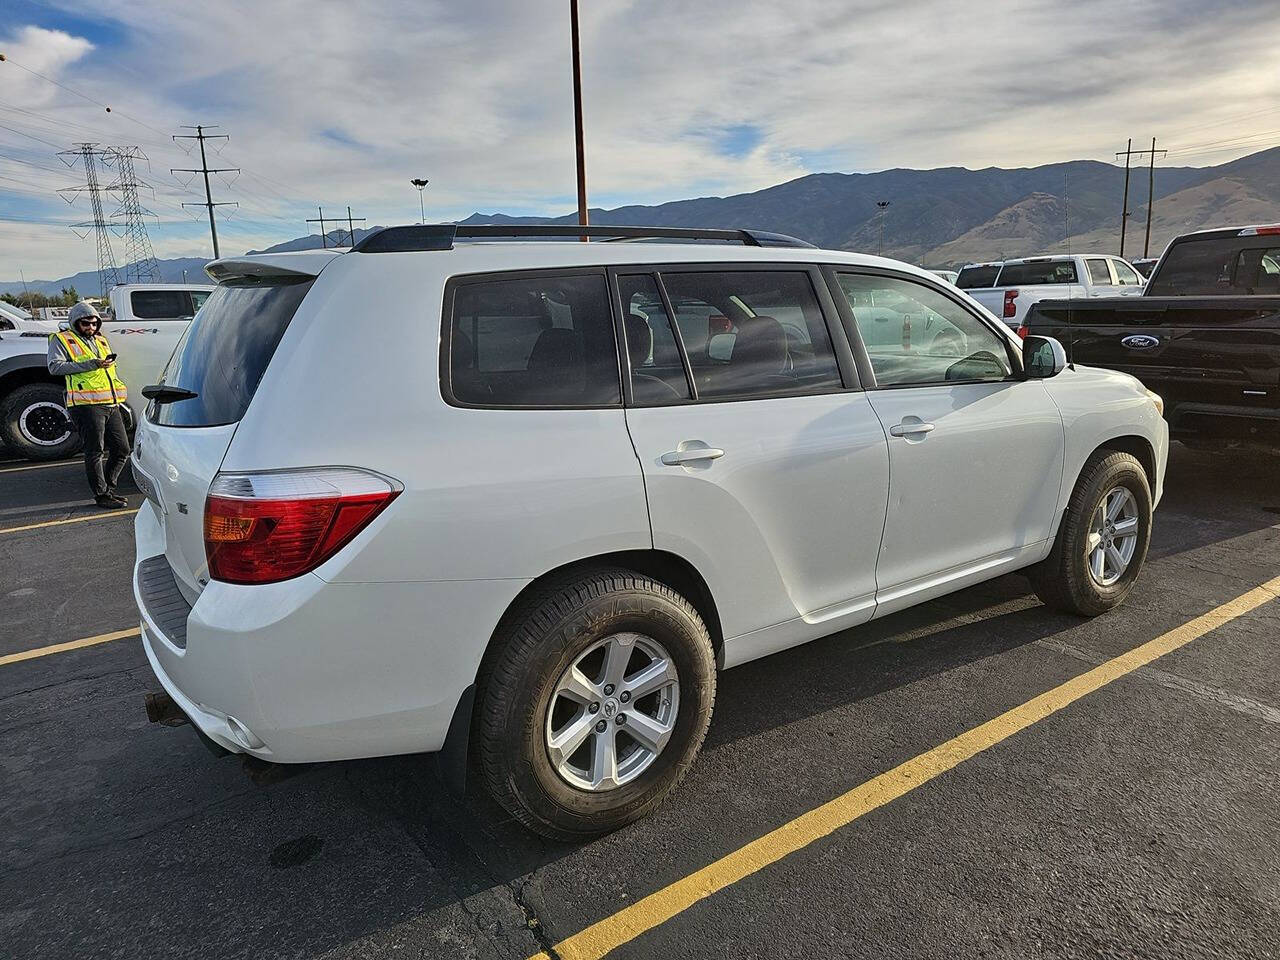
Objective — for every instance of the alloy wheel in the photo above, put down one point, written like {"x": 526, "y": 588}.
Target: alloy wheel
{"x": 1113, "y": 536}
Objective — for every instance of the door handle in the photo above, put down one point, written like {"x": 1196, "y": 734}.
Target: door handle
{"x": 691, "y": 455}
{"x": 906, "y": 429}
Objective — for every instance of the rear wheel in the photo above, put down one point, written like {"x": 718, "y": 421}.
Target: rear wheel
{"x": 1103, "y": 540}
{"x": 35, "y": 424}
{"x": 594, "y": 702}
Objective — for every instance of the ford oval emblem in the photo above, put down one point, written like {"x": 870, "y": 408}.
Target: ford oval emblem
{"x": 1140, "y": 341}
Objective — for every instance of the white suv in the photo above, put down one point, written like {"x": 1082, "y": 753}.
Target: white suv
{"x": 557, "y": 486}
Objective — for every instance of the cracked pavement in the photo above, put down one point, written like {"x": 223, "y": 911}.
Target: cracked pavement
{"x": 1139, "y": 822}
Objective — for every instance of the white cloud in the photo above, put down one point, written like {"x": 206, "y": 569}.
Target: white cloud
{"x": 333, "y": 103}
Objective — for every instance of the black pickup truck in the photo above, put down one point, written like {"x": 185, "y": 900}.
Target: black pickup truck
{"x": 1205, "y": 335}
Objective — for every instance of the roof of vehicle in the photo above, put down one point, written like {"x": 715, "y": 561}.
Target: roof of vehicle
{"x": 1222, "y": 233}
{"x": 495, "y": 255}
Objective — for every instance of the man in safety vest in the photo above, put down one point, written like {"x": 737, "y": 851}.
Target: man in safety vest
{"x": 94, "y": 396}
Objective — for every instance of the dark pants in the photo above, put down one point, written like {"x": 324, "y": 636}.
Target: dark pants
{"x": 101, "y": 425}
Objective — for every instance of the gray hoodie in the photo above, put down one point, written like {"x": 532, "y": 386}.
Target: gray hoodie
{"x": 60, "y": 363}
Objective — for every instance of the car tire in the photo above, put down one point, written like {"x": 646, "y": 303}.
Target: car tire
{"x": 524, "y": 703}
{"x": 1068, "y": 579}
{"x": 34, "y": 423}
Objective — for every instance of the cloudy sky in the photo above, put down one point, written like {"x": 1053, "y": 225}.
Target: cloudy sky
{"x": 336, "y": 103}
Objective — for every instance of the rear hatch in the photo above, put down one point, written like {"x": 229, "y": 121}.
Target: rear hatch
{"x": 210, "y": 380}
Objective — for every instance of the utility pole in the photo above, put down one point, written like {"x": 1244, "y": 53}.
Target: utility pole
{"x": 351, "y": 228}
{"x": 324, "y": 240}
{"x": 200, "y": 136}
{"x": 420, "y": 183}
{"x": 1151, "y": 190}
{"x": 1151, "y": 195}
{"x": 1124, "y": 204}
{"x": 884, "y": 211}
{"x": 577, "y": 116}
{"x": 89, "y": 154}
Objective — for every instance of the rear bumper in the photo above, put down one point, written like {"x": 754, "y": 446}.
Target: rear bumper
{"x": 1229, "y": 422}
{"x": 307, "y": 670}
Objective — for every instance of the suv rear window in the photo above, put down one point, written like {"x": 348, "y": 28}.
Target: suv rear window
{"x": 538, "y": 341}
{"x": 161, "y": 304}
{"x": 224, "y": 352}
{"x": 1218, "y": 267}
{"x": 971, "y": 278}
{"x": 1039, "y": 272}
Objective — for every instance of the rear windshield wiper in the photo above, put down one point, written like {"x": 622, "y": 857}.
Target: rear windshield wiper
{"x": 161, "y": 393}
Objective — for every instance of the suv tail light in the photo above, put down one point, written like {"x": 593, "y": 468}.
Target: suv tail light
{"x": 267, "y": 527}
{"x": 1023, "y": 331}
{"x": 1010, "y": 308}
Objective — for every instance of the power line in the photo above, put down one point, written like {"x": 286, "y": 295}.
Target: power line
{"x": 200, "y": 136}
{"x": 324, "y": 237}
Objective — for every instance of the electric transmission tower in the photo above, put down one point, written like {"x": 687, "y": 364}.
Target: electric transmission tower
{"x": 140, "y": 260}
{"x": 89, "y": 155}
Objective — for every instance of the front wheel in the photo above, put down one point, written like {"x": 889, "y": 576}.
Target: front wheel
{"x": 594, "y": 702}
{"x": 1103, "y": 540}
{"x": 35, "y": 424}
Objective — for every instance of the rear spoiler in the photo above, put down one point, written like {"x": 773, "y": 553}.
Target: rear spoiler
{"x": 304, "y": 264}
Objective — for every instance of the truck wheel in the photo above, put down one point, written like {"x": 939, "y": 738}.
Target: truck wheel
{"x": 35, "y": 424}
{"x": 1103, "y": 540}
{"x": 593, "y": 702}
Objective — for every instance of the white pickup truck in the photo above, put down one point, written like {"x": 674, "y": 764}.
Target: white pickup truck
{"x": 145, "y": 324}
{"x": 1008, "y": 288}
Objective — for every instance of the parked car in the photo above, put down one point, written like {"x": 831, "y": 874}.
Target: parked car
{"x": 948, "y": 275}
{"x": 1008, "y": 288}
{"x": 15, "y": 320}
{"x": 596, "y": 474}
{"x": 1205, "y": 334}
{"x": 1145, "y": 265}
{"x": 144, "y": 324}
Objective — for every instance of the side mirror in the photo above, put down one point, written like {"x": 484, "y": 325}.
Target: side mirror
{"x": 1042, "y": 357}
{"x": 64, "y": 325}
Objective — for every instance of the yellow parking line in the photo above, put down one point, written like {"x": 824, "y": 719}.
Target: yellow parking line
{"x": 600, "y": 938}
{"x": 58, "y": 523}
{"x": 70, "y": 645}
{"x": 41, "y": 466}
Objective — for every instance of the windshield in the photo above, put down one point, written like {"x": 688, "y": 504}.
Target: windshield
{"x": 224, "y": 352}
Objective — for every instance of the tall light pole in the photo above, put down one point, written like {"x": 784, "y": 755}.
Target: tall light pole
{"x": 577, "y": 116}
{"x": 884, "y": 210}
{"x": 420, "y": 183}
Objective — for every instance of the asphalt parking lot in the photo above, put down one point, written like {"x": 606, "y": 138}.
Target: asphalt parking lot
{"x": 1137, "y": 821}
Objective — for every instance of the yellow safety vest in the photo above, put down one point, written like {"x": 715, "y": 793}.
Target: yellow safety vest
{"x": 100, "y": 385}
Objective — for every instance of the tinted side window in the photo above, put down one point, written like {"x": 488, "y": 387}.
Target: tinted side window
{"x": 972, "y": 278}
{"x": 1258, "y": 272}
{"x": 161, "y": 304}
{"x": 224, "y": 352}
{"x": 1098, "y": 272}
{"x": 764, "y": 333}
{"x": 657, "y": 372}
{"x": 198, "y": 297}
{"x": 533, "y": 342}
{"x": 916, "y": 335}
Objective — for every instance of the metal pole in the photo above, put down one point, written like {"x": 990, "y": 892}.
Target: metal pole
{"x": 351, "y": 228}
{"x": 208, "y": 196}
{"x": 577, "y": 116}
{"x": 324, "y": 241}
{"x": 1151, "y": 197}
{"x": 422, "y": 210}
{"x": 1124, "y": 209}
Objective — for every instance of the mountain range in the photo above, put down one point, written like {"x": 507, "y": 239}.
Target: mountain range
{"x": 938, "y": 218}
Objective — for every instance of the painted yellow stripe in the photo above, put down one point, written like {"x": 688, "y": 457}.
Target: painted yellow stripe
{"x": 58, "y": 523}
{"x": 70, "y": 645}
{"x": 600, "y": 938}
{"x": 41, "y": 466}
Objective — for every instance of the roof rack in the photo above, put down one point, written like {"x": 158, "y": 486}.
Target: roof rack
{"x": 441, "y": 236}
